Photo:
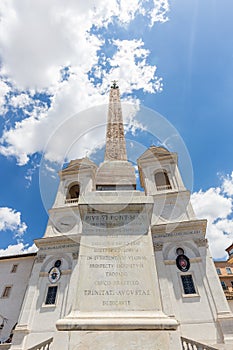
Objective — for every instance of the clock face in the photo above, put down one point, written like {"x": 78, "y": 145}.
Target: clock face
{"x": 65, "y": 223}
{"x": 54, "y": 275}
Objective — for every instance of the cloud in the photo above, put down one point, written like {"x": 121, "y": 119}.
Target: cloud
{"x": 215, "y": 205}
{"x": 4, "y": 90}
{"x": 17, "y": 249}
{"x": 21, "y": 101}
{"x": 129, "y": 66}
{"x": 159, "y": 11}
{"x": 211, "y": 204}
{"x": 228, "y": 184}
{"x": 71, "y": 97}
{"x": 79, "y": 38}
{"x": 10, "y": 220}
{"x": 34, "y": 47}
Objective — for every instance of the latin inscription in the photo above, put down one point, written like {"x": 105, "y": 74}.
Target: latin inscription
{"x": 115, "y": 223}
{"x": 174, "y": 234}
{"x": 62, "y": 246}
{"x": 119, "y": 273}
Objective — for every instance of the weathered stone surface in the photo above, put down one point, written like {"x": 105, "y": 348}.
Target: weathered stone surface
{"x": 115, "y": 139}
{"x": 116, "y": 340}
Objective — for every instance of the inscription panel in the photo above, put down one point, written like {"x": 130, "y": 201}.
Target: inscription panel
{"x": 116, "y": 273}
{"x": 116, "y": 223}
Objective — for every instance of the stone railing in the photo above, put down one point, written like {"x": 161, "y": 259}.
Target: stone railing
{"x": 71, "y": 201}
{"x": 163, "y": 187}
{"x": 188, "y": 344}
{"x": 5, "y": 346}
{"x": 43, "y": 346}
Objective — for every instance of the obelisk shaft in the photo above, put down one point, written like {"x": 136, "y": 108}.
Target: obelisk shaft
{"x": 115, "y": 138}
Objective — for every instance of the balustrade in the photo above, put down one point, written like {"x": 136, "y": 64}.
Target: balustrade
{"x": 188, "y": 344}
{"x": 43, "y": 346}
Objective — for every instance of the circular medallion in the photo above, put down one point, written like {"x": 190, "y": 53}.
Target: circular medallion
{"x": 54, "y": 275}
{"x": 182, "y": 262}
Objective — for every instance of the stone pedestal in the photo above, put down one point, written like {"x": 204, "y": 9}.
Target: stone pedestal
{"x": 118, "y": 298}
{"x": 116, "y": 340}
{"x": 117, "y": 286}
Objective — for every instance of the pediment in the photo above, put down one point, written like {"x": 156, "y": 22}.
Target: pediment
{"x": 157, "y": 152}
{"x": 78, "y": 165}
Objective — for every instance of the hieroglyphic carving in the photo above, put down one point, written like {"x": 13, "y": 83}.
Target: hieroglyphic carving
{"x": 115, "y": 140}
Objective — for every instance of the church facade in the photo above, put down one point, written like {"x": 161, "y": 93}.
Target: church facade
{"x": 119, "y": 268}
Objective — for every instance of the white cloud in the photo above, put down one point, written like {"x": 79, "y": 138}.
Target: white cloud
{"x": 211, "y": 204}
{"x": 21, "y": 100}
{"x": 38, "y": 128}
{"x": 228, "y": 184}
{"x": 216, "y": 206}
{"x": 159, "y": 11}
{"x": 10, "y": 219}
{"x": 129, "y": 66}
{"x": 70, "y": 98}
{"x": 35, "y": 47}
{"x": 55, "y": 34}
{"x": 17, "y": 249}
{"x": 127, "y": 10}
{"x": 4, "y": 89}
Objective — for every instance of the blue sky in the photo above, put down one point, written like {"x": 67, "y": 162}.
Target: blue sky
{"x": 57, "y": 59}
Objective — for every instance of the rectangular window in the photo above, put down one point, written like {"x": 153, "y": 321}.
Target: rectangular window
{"x": 14, "y": 268}
{"x": 188, "y": 285}
{"x": 231, "y": 252}
{"x": 6, "y": 292}
{"x": 224, "y": 286}
{"x": 218, "y": 271}
{"x": 51, "y": 295}
{"x": 228, "y": 270}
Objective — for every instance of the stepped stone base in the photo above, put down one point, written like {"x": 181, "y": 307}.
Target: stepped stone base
{"x": 117, "y": 340}
{"x": 117, "y": 321}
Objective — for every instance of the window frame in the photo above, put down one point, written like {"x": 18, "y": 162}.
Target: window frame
{"x": 229, "y": 269}
{"x": 190, "y": 295}
{"x": 46, "y": 295}
{"x": 9, "y": 288}
{"x": 68, "y": 194}
{"x": 167, "y": 178}
{"x": 224, "y": 285}
{"x": 218, "y": 269}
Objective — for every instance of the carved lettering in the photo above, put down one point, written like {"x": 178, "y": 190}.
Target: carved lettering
{"x": 119, "y": 273}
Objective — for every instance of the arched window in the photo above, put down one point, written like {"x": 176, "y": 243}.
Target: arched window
{"x": 162, "y": 181}
{"x": 73, "y": 193}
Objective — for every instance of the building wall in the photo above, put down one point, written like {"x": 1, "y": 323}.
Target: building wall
{"x": 10, "y": 305}
{"x": 225, "y": 273}
{"x": 196, "y": 313}
{"x": 39, "y": 318}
